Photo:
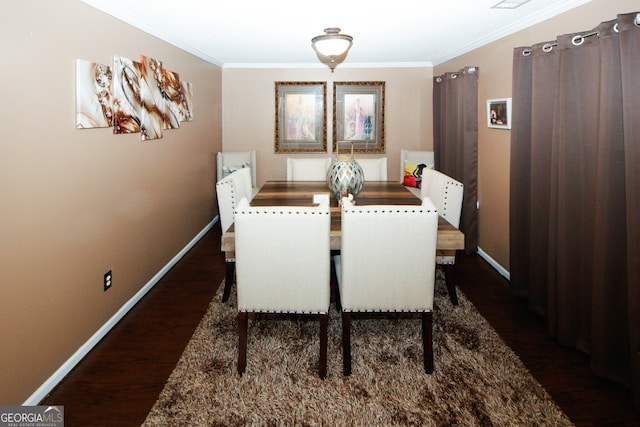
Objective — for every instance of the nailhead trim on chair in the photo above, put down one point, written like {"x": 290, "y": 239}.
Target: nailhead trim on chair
{"x": 285, "y": 212}
{"x": 375, "y": 211}
{"x": 385, "y": 311}
{"x": 446, "y": 260}
{"x": 233, "y": 191}
{"x": 446, "y": 198}
{"x": 260, "y": 311}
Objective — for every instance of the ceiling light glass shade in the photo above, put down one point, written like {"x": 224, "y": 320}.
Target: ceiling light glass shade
{"x": 332, "y": 43}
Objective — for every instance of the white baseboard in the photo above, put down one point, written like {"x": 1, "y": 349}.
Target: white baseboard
{"x": 500, "y": 269}
{"x": 71, "y": 363}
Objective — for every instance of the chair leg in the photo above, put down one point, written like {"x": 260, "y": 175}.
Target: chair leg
{"x": 243, "y": 322}
{"x": 324, "y": 326}
{"x": 346, "y": 343}
{"x": 338, "y": 303}
{"x": 228, "y": 280}
{"x": 427, "y": 340}
{"x": 335, "y": 283}
{"x": 451, "y": 286}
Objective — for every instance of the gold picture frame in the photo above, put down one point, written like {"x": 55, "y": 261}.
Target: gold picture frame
{"x": 358, "y": 115}
{"x": 301, "y": 119}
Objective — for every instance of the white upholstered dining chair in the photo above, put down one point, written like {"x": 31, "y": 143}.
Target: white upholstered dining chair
{"x": 282, "y": 266}
{"x": 374, "y": 169}
{"x": 446, "y": 194}
{"x": 387, "y": 264}
{"x": 229, "y": 191}
{"x": 229, "y": 162}
{"x": 415, "y": 158}
{"x": 308, "y": 169}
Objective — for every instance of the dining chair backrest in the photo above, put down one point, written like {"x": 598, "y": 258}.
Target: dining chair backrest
{"x": 308, "y": 169}
{"x": 229, "y": 191}
{"x": 446, "y": 194}
{"x": 416, "y": 157}
{"x": 387, "y": 257}
{"x": 283, "y": 258}
{"x": 228, "y": 162}
{"x": 374, "y": 169}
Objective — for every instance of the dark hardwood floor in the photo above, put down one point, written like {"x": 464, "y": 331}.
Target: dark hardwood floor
{"x": 120, "y": 379}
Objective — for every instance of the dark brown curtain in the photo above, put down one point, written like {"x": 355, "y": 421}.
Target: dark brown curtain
{"x": 455, "y": 141}
{"x": 575, "y": 192}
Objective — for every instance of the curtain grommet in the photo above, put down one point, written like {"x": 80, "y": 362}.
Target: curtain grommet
{"x": 577, "y": 40}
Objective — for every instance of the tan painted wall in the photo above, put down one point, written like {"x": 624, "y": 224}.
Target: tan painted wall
{"x": 249, "y": 111}
{"x": 76, "y": 203}
{"x": 495, "y": 62}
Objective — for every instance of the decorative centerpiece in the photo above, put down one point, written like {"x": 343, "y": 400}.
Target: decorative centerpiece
{"x": 345, "y": 176}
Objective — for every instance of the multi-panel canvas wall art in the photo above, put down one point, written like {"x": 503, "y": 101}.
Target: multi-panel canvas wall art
{"x": 131, "y": 97}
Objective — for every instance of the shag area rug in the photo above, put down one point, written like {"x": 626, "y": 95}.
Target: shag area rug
{"x": 477, "y": 380}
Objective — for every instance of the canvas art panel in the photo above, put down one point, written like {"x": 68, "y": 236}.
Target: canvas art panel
{"x": 126, "y": 96}
{"x": 186, "y": 107}
{"x": 152, "y": 101}
{"x": 172, "y": 92}
{"x": 93, "y": 95}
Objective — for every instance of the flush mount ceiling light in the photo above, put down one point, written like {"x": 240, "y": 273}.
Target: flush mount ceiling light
{"x": 332, "y": 44}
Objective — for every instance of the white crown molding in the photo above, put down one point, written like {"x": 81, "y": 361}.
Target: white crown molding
{"x": 105, "y": 7}
{"x": 321, "y": 65}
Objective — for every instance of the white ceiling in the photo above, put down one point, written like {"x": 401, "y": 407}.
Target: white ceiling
{"x": 277, "y": 33}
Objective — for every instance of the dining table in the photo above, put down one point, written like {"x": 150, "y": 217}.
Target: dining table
{"x": 307, "y": 193}
{"x": 302, "y": 193}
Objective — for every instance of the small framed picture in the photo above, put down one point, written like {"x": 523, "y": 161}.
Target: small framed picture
{"x": 499, "y": 113}
{"x": 301, "y": 122}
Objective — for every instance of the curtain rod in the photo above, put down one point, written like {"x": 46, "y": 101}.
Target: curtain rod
{"x": 577, "y": 40}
